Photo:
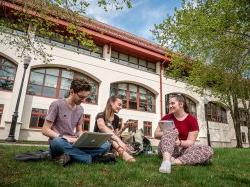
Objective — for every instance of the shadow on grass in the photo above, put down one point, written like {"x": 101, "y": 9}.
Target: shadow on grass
{"x": 235, "y": 179}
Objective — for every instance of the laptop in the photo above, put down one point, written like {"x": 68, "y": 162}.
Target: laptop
{"x": 92, "y": 139}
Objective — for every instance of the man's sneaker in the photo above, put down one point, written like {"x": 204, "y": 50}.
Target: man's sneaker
{"x": 63, "y": 159}
{"x": 106, "y": 158}
{"x": 165, "y": 167}
{"x": 46, "y": 155}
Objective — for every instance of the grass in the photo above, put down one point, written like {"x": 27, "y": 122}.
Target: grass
{"x": 231, "y": 167}
{"x": 28, "y": 142}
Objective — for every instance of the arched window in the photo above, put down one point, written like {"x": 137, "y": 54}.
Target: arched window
{"x": 190, "y": 103}
{"x": 216, "y": 113}
{"x": 7, "y": 74}
{"x": 55, "y": 83}
{"x": 134, "y": 96}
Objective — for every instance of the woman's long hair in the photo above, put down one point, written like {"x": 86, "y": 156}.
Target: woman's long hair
{"x": 181, "y": 99}
{"x": 109, "y": 112}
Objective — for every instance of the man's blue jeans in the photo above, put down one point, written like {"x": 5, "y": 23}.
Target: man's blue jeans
{"x": 60, "y": 145}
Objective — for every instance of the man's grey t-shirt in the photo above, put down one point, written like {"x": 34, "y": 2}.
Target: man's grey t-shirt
{"x": 63, "y": 117}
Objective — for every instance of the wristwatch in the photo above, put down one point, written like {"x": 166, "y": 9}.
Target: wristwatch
{"x": 60, "y": 135}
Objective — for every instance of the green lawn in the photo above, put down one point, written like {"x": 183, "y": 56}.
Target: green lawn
{"x": 231, "y": 167}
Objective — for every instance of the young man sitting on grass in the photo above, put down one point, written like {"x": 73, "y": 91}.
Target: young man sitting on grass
{"x": 64, "y": 124}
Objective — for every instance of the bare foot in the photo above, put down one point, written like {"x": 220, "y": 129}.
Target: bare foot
{"x": 127, "y": 157}
{"x": 177, "y": 162}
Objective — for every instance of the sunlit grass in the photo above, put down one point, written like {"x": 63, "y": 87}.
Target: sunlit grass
{"x": 231, "y": 167}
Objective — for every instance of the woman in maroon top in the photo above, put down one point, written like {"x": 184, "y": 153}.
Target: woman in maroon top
{"x": 177, "y": 142}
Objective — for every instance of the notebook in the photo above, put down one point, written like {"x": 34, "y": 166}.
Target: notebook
{"x": 92, "y": 139}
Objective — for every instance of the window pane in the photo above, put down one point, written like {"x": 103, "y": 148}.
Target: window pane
{"x": 191, "y": 106}
{"x": 65, "y": 83}
{"x": 132, "y": 88}
{"x": 41, "y": 121}
{"x": 50, "y": 81}
{"x": 150, "y": 99}
{"x": 67, "y": 74}
{"x": 113, "y": 90}
{"x": 34, "y": 89}
{"x": 150, "y": 108}
{"x": 37, "y": 117}
{"x": 49, "y": 92}
{"x": 133, "y": 60}
{"x": 6, "y": 84}
{"x": 114, "y": 54}
{"x": 122, "y": 86}
{"x": 142, "y": 90}
{"x": 132, "y": 96}
{"x": 142, "y": 63}
{"x": 123, "y": 57}
{"x": 151, "y": 65}
{"x": 52, "y": 71}
{"x": 64, "y": 93}
{"x": 36, "y": 78}
{"x": 143, "y": 106}
{"x": 93, "y": 91}
{"x": 78, "y": 76}
{"x": 7, "y": 74}
{"x": 143, "y": 98}
{"x": 147, "y": 128}
{"x": 33, "y": 121}
{"x": 132, "y": 105}
{"x": 216, "y": 113}
{"x": 122, "y": 94}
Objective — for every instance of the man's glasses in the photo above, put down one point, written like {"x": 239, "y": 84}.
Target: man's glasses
{"x": 82, "y": 96}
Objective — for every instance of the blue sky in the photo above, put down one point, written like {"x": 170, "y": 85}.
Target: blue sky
{"x": 139, "y": 19}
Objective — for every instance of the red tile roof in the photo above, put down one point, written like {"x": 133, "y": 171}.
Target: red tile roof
{"x": 120, "y": 34}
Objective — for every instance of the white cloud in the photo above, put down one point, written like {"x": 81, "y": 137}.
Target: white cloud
{"x": 137, "y": 20}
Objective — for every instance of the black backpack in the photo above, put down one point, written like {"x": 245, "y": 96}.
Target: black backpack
{"x": 34, "y": 156}
{"x": 146, "y": 145}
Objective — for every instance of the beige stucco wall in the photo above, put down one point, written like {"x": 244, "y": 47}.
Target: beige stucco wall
{"x": 105, "y": 72}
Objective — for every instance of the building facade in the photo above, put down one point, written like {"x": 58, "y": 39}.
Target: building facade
{"x": 123, "y": 65}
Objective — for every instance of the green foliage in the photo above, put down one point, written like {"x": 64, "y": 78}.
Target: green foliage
{"x": 230, "y": 168}
{"x": 215, "y": 34}
{"x": 117, "y": 4}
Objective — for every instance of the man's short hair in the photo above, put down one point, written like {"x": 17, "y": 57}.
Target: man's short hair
{"x": 78, "y": 85}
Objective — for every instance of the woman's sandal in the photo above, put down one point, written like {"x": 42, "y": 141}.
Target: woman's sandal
{"x": 125, "y": 156}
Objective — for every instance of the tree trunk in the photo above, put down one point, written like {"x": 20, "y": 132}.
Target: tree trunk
{"x": 248, "y": 125}
{"x": 248, "y": 136}
{"x": 236, "y": 120}
{"x": 247, "y": 114}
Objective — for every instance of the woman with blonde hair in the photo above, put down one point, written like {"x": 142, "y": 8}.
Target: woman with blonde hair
{"x": 108, "y": 122}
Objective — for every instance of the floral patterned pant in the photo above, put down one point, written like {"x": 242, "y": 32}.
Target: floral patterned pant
{"x": 195, "y": 154}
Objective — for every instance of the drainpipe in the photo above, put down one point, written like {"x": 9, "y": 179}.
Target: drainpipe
{"x": 161, "y": 74}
